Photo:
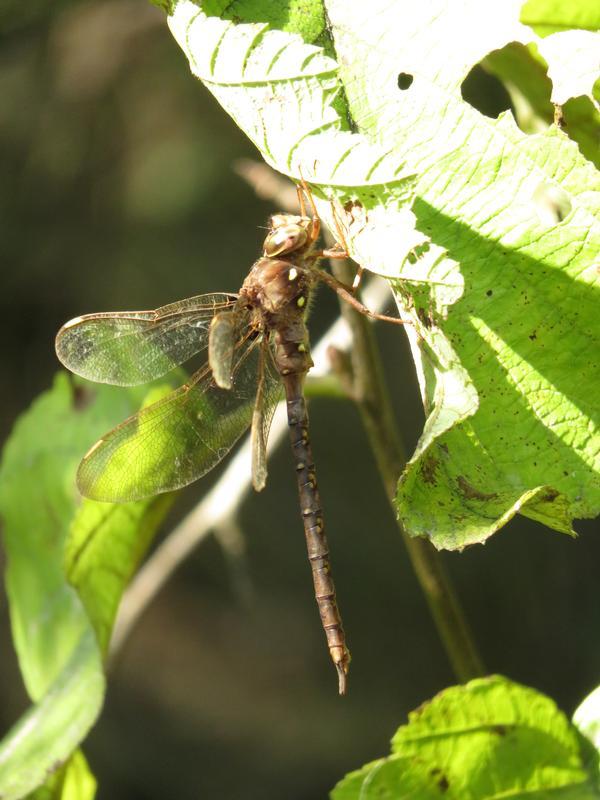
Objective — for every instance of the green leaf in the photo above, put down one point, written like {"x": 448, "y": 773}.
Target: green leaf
{"x": 106, "y": 544}
{"x": 107, "y": 541}
{"x": 548, "y": 16}
{"x": 78, "y": 783}
{"x": 488, "y": 739}
{"x": 573, "y": 64}
{"x": 508, "y": 428}
{"x": 37, "y": 501}
{"x": 48, "y": 733}
{"x": 488, "y": 235}
{"x": 73, "y": 781}
{"x": 393, "y": 778}
{"x": 57, "y": 647}
{"x": 306, "y": 17}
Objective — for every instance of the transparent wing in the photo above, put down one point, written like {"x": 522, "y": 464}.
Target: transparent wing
{"x": 178, "y": 439}
{"x": 264, "y": 408}
{"x": 130, "y": 347}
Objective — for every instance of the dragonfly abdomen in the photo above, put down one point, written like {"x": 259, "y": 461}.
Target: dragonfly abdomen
{"x": 314, "y": 528}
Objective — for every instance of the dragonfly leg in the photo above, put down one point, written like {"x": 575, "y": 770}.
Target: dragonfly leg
{"x": 340, "y": 249}
{"x": 345, "y": 292}
{"x": 343, "y": 247}
{"x": 301, "y": 202}
{"x": 304, "y": 191}
{"x": 330, "y": 252}
{"x": 337, "y": 252}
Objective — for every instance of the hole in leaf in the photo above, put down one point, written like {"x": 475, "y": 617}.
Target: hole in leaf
{"x": 552, "y": 204}
{"x": 513, "y": 77}
{"x": 485, "y": 92}
{"x": 405, "y": 80}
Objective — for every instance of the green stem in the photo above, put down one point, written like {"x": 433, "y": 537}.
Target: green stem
{"x": 369, "y": 391}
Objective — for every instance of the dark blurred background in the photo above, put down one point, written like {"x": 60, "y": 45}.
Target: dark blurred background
{"x": 117, "y": 191}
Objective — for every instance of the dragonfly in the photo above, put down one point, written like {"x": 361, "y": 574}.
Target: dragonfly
{"x": 257, "y": 347}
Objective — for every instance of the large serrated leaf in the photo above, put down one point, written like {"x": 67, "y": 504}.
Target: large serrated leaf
{"x": 526, "y": 321}
{"x": 285, "y": 95}
{"x": 488, "y": 739}
{"x": 489, "y": 236}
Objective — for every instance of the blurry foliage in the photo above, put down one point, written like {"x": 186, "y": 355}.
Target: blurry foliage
{"x": 60, "y": 656}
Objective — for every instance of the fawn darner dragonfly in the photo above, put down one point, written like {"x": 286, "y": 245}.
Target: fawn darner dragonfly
{"x": 257, "y": 341}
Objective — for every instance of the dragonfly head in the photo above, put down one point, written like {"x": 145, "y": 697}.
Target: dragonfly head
{"x": 288, "y": 233}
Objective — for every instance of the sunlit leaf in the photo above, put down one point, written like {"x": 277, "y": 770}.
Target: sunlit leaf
{"x": 488, "y": 739}
{"x": 548, "y": 16}
{"x": 573, "y": 64}
{"x": 106, "y": 544}
{"x": 73, "y": 781}
{"x": 489, "y": 237}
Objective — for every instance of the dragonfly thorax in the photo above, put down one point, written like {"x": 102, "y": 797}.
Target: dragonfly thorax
{"x": 277, "y": 287}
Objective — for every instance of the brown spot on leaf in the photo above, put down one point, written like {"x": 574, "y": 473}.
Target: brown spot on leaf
{"x": 440, "y": 778}
{"x": 425, "y": 317}
{"x": 429, "y": 465}
{"x": 352, "y": 204}
{"x": 549, "y": 496}
{"x": 471, "y": 493}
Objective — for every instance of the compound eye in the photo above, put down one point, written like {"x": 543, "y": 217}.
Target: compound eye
{"x": 284, "y": 239}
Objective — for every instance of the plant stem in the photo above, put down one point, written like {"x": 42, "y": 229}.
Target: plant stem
{"x": 371, "y": 395}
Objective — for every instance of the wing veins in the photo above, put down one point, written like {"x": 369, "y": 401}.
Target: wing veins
{"x": 172, "y": 442}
